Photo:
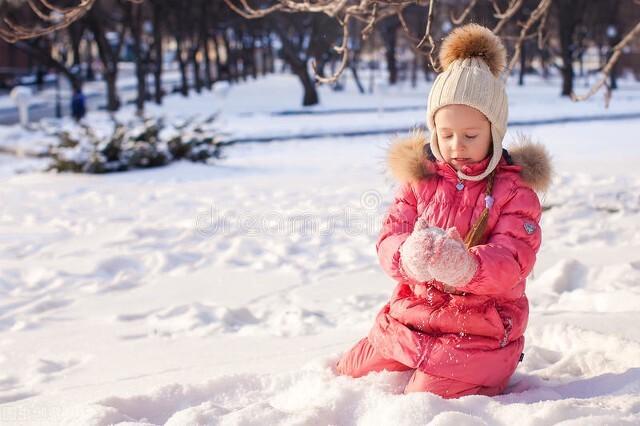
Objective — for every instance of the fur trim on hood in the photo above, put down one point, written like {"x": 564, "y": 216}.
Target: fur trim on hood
{"x": 408, "y": 162}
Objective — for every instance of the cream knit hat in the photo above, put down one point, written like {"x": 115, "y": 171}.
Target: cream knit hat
{"x": 473, "y": 59}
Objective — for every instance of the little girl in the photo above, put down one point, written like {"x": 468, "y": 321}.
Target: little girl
{"x": 458, "y": 313}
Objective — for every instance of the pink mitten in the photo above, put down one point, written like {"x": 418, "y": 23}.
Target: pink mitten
{"x": 416, "y": 251}
{"x": 451, "y": 263}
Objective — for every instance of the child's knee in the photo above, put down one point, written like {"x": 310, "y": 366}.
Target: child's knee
{"x": 362, "y": 359}
{"x": 351, "y": 362}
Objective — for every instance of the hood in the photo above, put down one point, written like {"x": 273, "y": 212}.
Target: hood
{"x": 408, "y": 162}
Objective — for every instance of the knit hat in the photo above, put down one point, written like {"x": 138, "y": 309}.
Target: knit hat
{"x": 473, "y": 58}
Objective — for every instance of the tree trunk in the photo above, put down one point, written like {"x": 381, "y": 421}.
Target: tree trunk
{"x": 216, "y": 48}
{"x": 389, "y": 35}
{"x": 184, "y": 86}
{"x": 264, "y": 55}
{"x": 299, "y": 68}
{"x": 75, "y": 32}
{"x": 242, "y": 57}
{"x": 252, "y": 54}
{"x": 179, "y": 37}
{"x": 372, "y": 76}
{"x": 356, "y": 79}
{"x": 310, "y": 93}
{"x": 134, "y": 13}
{"x": 354, "y": 63}
{"x": 613, "y": 75}
{"x": 271, "y": 60}
{"x": 197, "y": 80}
{"x": 414, "y": 70}
{"x": 567, "y": 70}
{"x": 523, "y": 64}
{"x": 391, "y": 65}
{"x": 196, "y": 42}
{"x": 425, "y": 68}
{"x": 544, "y": 63}
{"x": 113, "y": 101}
{"x": 109, "y": 56}
{"x": 613, "y": 78}
{"x": 204, "y": 42}
{"x": 157, "y": 48}
{"x": 292, "y": 56}
{"x": 208, "y": 80}
{"x": 90, "y": 74}
{"x": 567, "y": 22}
{"x": 231, "y": 60}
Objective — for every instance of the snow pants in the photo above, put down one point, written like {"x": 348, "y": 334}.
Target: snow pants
{"x": 363, "y": 359}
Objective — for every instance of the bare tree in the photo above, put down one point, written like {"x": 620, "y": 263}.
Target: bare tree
{"x": 158, "y": 10}
{"x": 134, "y": 14}
{"x": 295, "y": 33}
{"x": 100, "y": 22}
{"x": 46, "y": 18}
{"x": 568, "y": 22}
{"x": 389, "y": 32}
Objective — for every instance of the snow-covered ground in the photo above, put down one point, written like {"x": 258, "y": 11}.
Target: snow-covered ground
{"x": 225, "y": 293}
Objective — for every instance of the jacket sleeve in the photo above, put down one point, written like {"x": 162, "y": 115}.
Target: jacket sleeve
{"x": 396, "y": 227}
{"x": 510, "y": 252}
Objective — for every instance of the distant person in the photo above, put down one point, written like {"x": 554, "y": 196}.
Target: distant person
{"x": 460, "y": 237}
{"x": 78, "y": 105}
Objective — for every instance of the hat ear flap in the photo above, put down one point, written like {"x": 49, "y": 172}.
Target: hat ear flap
{"x": 433, "y": 146}
{"x": 428, "y": 152}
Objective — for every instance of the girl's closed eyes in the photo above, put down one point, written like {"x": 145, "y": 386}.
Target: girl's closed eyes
{"x": 466, "y": 136}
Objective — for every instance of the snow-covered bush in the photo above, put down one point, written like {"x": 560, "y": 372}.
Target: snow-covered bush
{"x": 141, "y": 143}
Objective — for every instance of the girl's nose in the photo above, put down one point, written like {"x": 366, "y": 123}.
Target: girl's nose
{"x": 456, "y": 143}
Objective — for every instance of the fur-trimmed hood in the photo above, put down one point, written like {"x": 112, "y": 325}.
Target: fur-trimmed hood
{"x": 407, "y": 160}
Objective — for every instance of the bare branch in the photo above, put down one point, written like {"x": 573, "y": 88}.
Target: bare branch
{"x": 58, "y": 9}
{"x": 61, "y": 18}
{"x": 606, "y": 70}
{"x": 536, "y": 15}
{"x": 42, "y": 15}
{"x": 542, "y": 40}
{"x": 405, "y": 27}
{"x": 514, "y": 6}
{"x": 427, "y": 36}
{"x": 249, "y": 13}
{"x": 366, "y": 31}
{"x": 343, "y": 50}
{"x": 459, "y": 20}
{"x": 496, "y": 8}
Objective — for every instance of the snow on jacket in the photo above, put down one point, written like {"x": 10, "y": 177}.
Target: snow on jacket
{"x": 475, "y": 334}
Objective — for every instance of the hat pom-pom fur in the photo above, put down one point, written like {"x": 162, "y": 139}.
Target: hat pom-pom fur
{"x": 473, "y": 40}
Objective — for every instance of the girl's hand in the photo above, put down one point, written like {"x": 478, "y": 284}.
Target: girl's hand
{"x": 451, "y": 263}
{"x": 416, "y": 251}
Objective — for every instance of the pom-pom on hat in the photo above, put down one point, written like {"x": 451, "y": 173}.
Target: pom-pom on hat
{"x": 473, "y": 59}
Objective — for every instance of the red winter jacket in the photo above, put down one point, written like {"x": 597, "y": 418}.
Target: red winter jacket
{"x": 474, "y": 335}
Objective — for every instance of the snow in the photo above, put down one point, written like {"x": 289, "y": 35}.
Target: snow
{"x": 225, "y": 293}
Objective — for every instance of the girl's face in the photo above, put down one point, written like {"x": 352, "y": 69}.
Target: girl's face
{"x": 464, "y": 134}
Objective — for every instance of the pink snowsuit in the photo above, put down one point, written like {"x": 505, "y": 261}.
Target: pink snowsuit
{"x": 469, "y": 341}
